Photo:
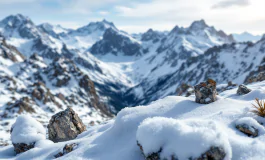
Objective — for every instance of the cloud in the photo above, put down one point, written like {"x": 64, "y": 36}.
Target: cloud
{"x": 3, "y": 2}
{"x": 103, "y": 13}
{"x": 230, "y": 3}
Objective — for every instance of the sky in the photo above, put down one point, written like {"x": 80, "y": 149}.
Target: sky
{"x": 134, "y": 16}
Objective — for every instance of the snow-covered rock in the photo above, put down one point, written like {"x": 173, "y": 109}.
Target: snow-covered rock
{"x": 249, "y": 126}
{"x": 25, "y": 132}
{"x": 177, "y": 139}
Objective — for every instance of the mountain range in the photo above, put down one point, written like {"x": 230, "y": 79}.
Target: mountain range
{"x": 98, "y": 69}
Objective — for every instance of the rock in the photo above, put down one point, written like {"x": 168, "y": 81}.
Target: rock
{"x": 248, "y": 130}
{"x": 205, "y": 92}
{"x": 214, "y": 153}
{"x": 242, "y": 90}
{"x": 65, "y": 125}
{"x": 67, "y": 149}
{"x": 22, "y": 147}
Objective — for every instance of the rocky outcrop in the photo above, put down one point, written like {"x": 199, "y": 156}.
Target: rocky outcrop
{"x": 256, "y": 78}
{"x": 242, "y": 90}
{"x": 64, "y": 126}
{"x": 214, "y": 153}
{"x": 42, "y": 93}
{"x": 114, "y": 42}
{"x": 250, "y": 131}
{"x": 23, "y": 105}
{"x": 67, "y": 149}
{"x": 10, "y": 52}
{"x": 205, "y": 92}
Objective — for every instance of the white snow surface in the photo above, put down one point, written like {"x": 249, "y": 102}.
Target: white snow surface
{"x": 171, "y": 119}
{"x": 27, "y": 130}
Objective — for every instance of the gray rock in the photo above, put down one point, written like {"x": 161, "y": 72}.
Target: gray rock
{"x": 22, "y": 147}
{"x": 205, "y": 92}
{"x": 242, "y": 90}
{"x": 214, "y": 153}
{"x": 67, "y": 149}
{"x": 248, "y": 130}
{"x": 65, "y": 126}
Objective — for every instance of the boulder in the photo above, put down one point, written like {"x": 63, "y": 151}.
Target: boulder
{"x": 250, "y": 131}
{"x": 65, "y": 126}
{"x": 242, "y": 90}
{"x": 67, "y": 149}
{"x": 205, "y": 92}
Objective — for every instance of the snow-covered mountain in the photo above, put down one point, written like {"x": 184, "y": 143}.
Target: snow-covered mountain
{"x": 245, "y": 37}
{"x": 53, "y": 30}
{"x": 84, "y": 37}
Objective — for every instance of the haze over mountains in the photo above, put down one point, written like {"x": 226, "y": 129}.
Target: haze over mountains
{"x": 99, "y": 69}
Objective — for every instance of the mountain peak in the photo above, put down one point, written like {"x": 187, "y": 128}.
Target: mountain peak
{"x": 201, "y": 24}
{"x": 16, "y": 18}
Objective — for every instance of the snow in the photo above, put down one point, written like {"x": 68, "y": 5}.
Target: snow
{"x": 177, "y": 124}
{"x": 27, "y": 130}
{"x": 184, "y": 139}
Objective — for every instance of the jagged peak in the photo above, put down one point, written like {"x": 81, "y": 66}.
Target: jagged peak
{"x": 200, "y": 24}
{"x": 17, "y": 18}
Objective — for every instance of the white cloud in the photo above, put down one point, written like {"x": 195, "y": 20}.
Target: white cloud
{"x": 103, "y": 13}
{"x": 230, "y": 3}
{"x": 183, "y": 12}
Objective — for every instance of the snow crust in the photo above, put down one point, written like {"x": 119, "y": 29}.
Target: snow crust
{"x": 27, "y": 130}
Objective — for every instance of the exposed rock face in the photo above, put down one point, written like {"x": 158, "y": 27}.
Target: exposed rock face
{"x": 65, "y": 125}
{"x": 248, "y": 130}
{"x": 205, "y": 92}
{"x": 242, "y": 90}
{"x": 113, "y": 42}
{"x": 257, "y": 78}
{"x": 42, "y": 93}
{"x": 214, "y": 153}
{"x": 23, "y": 105}
{"x": 9, "y": 52}
{"x": 67, "y": 149}
{"x": 22, "y": 147}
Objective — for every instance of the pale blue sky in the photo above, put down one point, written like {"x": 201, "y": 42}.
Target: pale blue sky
{"x": 232, "y": 16}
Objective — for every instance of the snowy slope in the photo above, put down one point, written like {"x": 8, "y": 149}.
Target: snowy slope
{"x": 117, "y": 139}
